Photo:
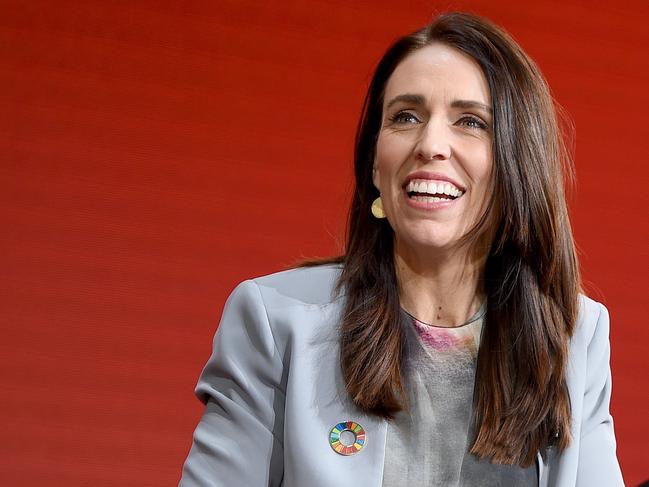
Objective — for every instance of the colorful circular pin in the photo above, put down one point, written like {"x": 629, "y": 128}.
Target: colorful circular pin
{"x": 343, "y": 445}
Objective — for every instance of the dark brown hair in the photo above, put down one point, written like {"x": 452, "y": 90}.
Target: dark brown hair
{"x": 531, "y": 273}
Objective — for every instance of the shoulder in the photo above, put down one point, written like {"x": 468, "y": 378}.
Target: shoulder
{"x": 294, "y": 289}
{"x": 302, "y": 285}
{"x": 592, "y": 322}
{"x": 284, "y": 306}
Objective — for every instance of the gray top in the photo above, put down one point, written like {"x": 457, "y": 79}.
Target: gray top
{"x": 428, "y": 445}
{"x": 273, "y": 389}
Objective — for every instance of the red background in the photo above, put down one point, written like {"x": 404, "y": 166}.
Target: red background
{"x": 153, "y": 154}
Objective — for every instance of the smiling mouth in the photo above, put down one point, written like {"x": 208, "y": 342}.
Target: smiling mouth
{"x": 429, "y": 191}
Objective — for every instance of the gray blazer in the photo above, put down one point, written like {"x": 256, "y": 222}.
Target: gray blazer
{"x": 273, "y": 390}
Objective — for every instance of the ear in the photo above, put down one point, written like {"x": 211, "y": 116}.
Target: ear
{"x": 375, "y": 177}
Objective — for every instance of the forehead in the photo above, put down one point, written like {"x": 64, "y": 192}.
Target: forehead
{"x": 439, "y": 70}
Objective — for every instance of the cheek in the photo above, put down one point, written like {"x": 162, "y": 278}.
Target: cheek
{"x": 481, "y": 166}
{"x": 389, "y": 154}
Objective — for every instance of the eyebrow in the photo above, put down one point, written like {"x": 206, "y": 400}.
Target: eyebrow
{"x": 419, "y": 100}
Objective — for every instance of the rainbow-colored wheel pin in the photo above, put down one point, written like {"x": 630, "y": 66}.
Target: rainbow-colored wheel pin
{"x": 346, "y": 447}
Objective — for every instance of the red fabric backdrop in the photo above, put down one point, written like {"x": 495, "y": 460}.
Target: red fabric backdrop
{"x": 153, "y": 154}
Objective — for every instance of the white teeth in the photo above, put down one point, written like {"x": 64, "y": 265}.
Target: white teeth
{"x": 429, "y": 199}
{"x": 426, "y": 186}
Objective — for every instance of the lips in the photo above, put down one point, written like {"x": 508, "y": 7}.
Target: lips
{"x": 430, "y": 187}
{"x": 437, "y": 190}
{"x": 427, "y": 190}
{"x": 432, "y": 176}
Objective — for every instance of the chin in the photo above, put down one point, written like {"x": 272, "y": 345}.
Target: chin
{"x": 431, "y": 241}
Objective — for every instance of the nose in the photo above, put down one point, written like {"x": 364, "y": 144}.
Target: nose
{"x": 434, "y": 143}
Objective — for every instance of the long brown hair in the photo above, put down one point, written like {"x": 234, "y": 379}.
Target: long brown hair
{"x": 531, "y": 273}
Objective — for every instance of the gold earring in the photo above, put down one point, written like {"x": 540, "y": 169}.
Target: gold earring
{"x": 377, "y": 208}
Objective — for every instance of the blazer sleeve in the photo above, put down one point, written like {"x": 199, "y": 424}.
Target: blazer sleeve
{"x": 238, "y": 440}
{"x": 598, "y": 464}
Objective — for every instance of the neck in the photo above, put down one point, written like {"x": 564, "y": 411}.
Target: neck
{"x": 444, "y": 288}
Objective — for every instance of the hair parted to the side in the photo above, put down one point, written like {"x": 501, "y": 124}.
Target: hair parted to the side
{"x": 531, "y": 274}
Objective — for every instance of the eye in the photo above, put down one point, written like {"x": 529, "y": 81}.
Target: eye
{"x": 404, "y": 117}
{"x": 473, "y": 122}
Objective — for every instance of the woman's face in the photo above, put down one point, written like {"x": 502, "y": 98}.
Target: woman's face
{"x": 433, "y": 155}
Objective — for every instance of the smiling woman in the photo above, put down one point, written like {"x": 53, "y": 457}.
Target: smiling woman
{"x": 450, "y": 345}
{"x": 433, "y": 154}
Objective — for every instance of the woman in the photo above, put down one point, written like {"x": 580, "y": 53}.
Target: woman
{"x": 450, "y": 344}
